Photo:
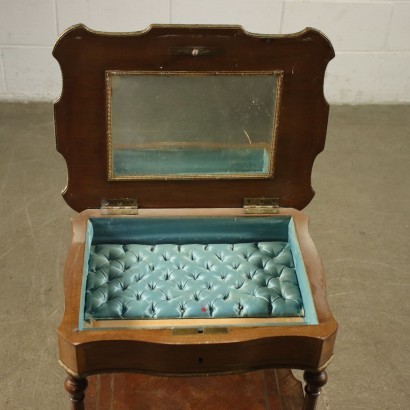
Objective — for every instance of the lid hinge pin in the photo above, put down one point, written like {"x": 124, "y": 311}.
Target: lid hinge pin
{"x": 122, "y": 206}
{"x": 259, "y": 206}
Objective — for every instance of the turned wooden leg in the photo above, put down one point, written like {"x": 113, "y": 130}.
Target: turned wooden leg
{"x": 314, "y": 382}
{"x": 75, "y": 388}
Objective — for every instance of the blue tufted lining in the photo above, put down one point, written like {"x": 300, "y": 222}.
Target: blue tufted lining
{"x": 150, "y": 279}
{"x": 192, "y": 281}
{"x": 182, "y": 230}
{"x": 308, "y": 304}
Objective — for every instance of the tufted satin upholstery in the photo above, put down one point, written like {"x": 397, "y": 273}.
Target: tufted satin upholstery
{"x": 192, "y": 281}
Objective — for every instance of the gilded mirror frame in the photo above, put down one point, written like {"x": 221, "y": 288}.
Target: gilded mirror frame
{"x": 109, "y": 74}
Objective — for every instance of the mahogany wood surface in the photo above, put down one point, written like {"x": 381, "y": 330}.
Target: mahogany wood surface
{"x": 261, "y": 390}
{"x": 81, "y": 113}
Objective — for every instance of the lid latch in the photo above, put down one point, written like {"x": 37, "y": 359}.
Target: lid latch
{"x": 261, "y": 206}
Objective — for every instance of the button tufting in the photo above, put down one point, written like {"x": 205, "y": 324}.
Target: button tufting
{"x": 171, "y": 281}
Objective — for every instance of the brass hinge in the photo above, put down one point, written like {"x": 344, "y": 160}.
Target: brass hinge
{"x": 261, "y": 206}
{"x": 123, "y": 206}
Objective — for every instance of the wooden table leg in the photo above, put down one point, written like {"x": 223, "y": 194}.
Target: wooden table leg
{"x": 76, "y": 388}
{"x": 315, "y": 380}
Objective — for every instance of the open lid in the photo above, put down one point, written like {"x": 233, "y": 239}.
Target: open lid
{"x": 190, "y": 116}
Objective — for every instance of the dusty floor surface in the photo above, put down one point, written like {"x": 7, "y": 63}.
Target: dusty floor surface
{"x": 359, "y": 222}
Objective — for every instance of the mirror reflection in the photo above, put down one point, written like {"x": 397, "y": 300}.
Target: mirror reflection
{"x": 198, "y": 125}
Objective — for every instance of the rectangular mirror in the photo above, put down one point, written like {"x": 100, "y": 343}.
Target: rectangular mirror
{"x": 173, "y": 125}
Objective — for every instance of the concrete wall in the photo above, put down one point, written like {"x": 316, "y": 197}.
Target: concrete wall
{"x": 371, "y": 38}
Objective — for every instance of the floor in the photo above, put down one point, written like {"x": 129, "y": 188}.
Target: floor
{"x": 359, "y": 222}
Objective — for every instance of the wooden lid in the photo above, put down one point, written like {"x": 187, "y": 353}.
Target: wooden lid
{"x": 90, "y": 63}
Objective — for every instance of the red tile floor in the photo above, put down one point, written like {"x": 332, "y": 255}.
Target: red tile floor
{"x": 269, "y": 389}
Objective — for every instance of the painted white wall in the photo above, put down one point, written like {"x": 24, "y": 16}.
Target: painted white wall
{"x": 371, "y": 38}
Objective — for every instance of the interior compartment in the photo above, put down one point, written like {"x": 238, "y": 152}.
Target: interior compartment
{"x": 201, "y": 270}
{"x": 190, "y": 161}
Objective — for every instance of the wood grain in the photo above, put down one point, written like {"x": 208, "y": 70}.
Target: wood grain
{"x": 81, "y": 112}
{"x": 261, "y": 390}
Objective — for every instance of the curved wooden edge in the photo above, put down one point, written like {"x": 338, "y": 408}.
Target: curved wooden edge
{"x": 130, "y": 355}
{"x": 77, "y": 29}
{"x": 312, "y": 345}
{"x": 80, "y": 27}
{"x": 131, "y": 369}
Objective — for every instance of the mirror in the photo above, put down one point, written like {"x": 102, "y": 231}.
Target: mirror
{"x": 177, "y": 125}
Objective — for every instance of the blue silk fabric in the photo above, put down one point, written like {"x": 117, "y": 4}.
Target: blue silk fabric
{"x": 163, "y": 281}
{"x": 190, "y": 161}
